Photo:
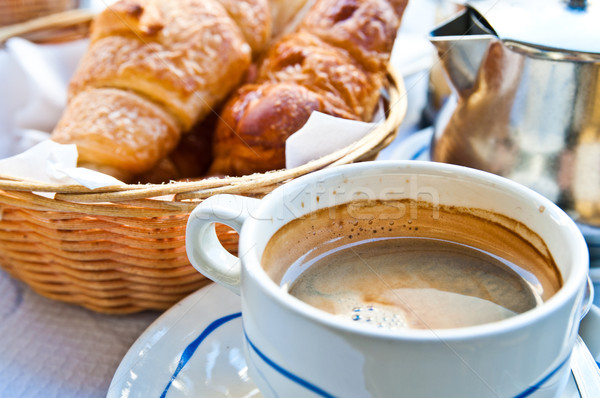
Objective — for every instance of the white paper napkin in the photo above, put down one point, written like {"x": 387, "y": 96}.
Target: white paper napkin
{"x": 321, "y": 135}
{"x": 34, "y": 95}
{"x": 51, "y": 162}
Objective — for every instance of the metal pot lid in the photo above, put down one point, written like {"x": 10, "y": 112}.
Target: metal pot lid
{"x": 572, "y": 25}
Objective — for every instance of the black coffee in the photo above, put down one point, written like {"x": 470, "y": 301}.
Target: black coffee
{"x": 416, "y": 283}
{"x": 410, "y": 264}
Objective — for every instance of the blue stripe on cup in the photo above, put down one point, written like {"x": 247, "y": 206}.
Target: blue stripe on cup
{"x": 320, "y": 392}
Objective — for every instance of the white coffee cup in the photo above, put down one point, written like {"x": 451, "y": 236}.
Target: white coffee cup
{"x": 295, "y": 350}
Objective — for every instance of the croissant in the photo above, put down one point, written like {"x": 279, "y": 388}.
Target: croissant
{"x": 112, "y": 129}
{"x": 153, "y": 70}
{"x": 334, "y": 63}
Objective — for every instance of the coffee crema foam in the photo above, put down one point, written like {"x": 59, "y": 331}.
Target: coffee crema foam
{"x": 416, "y": 283}
{"x": 367, "y": 261}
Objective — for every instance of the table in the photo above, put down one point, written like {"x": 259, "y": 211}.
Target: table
{"x": 51, "y": 349}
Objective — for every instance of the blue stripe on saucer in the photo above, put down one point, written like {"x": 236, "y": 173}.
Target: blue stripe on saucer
{"x": 189, "y": 351}
{"x": 420, "y": 152}
{"x": 296, "y": 379}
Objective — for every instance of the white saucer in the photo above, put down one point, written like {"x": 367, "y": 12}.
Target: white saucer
{"x": 195, "y": 349}
{"x": 192, "y": 350}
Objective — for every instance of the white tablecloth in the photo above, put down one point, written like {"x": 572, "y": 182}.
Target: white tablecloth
{"x": 50, "y": 349}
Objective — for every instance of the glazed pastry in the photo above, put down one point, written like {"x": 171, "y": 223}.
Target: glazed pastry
{"x": 329, "y": 71}
{"x": 366, "y": 29}
{"x": 334, "y": 63}
{"x": 251, "y": 132}
{"x": 180, "y": 58}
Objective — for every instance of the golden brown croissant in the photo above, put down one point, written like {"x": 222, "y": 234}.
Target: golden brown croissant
{"x": 183, "y": 57}
{"x": 365, "y": 28}
{"x": 334, "y": 63}
{"x": 306, "y": 60}
{"x": 117, "y": 132}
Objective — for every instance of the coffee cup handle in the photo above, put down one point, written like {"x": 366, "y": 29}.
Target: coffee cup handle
{"x": 204, "y": 250}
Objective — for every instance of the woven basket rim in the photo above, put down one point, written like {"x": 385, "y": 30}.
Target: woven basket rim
{"x": 178, "y": 196}
{"x": 54, "y": 26}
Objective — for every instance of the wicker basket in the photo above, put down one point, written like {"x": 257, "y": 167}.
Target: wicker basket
{"x": 54, "y": 28}
{"x": 15, "y": 11}
{"x": 122, "y": 249}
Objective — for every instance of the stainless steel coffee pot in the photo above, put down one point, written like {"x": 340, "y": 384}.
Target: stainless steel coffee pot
{"x": 525, "y": 103}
